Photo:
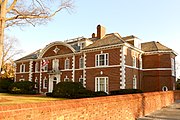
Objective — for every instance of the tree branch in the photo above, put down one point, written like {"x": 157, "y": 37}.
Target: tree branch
{"x": 12, "y": 6}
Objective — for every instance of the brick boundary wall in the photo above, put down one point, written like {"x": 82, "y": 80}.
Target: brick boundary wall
{"x": 120, "y": 107}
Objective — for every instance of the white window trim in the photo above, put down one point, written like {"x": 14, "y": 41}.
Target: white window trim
{"x": 173, "y": 66}
{"x": 22, "y": 79}
{"x": 134, "y": 82}
{"x": 45, "y": 87}
{"x": 37, "y": 67}
{"x": 98, "y": 61}
{"x": 80, "y": 80}
{"x": 81, "y": 63}
{"x": 164, "y": 87}
{"x": 54, "y": 65}
{"x": 97, "y": 88}
{"x": 24, "y": 68}
{"x": 66, "y": 68}
{"x": 134, "y": 62}
{"x": 66, "y": 78}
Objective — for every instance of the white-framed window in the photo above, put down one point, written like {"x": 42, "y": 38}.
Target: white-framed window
{"x": 22, "y": 68}
{"x": 45, "y": 83}
{"x": 102, "y": 59}
{"x": 173, "y": 66}
{"x": 66, "y": 65}
{"x": 66, "y": 80}
{"x": 81, "y": 62}
{"x": 45, "y": 65}
{"x": 37, "y": 67}
{"x": 140, "y": 63}
{"x": 134, "y": 82}
{"x": 55, "y": 64}
{"x": 22, "y": 79}
{"x": 164, "y": 88}
{"x": 81, "y": 45}
{"x": 81, "y": 80}
{"x": 101, "y": 84}
{"x": 36, "y": 82}
{"x": 134, "y": 61}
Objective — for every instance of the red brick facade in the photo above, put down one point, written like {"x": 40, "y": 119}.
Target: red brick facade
{"x": 103, "y": 63}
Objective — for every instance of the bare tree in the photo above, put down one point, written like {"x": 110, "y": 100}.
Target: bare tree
{"x": 23, "y": 12}
{"x": 10, "y": 50}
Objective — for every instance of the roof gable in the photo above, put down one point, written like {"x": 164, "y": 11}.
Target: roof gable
{"x": 108, "y": 39}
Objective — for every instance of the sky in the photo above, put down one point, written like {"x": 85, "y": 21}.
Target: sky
{"x": 149, "y": 20}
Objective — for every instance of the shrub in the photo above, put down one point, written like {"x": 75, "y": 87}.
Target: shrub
{"x": 125, "y": 91}
{"x": 22, "y": 87}
{"x": 4, "y": 85}
{"x": 100, "y": 93}
{"x": 49, "y": 94}
{"x": 73, "y": 90}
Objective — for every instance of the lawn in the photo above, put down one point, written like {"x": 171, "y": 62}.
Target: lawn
{"x": 7, "y": 99}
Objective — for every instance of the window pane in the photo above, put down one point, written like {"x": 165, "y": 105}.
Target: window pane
{"x": 101, "y": 60}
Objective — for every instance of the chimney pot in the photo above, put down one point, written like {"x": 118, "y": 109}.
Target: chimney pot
{"x": 93, "y": 35}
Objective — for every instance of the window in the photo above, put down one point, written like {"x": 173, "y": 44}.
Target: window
{"x": 22, "y": 68}
{"x": 21, "y": 79}
{"x": 134, "y": 82}
{"x": 164, "y": 88}
{"x": 45, "y": 83}
{"x": 55, "y": 64}
{"x": 134, "y": 61}
{"x": 173, "y": 66}
{"x": 81, "y": 45}
{"x": 66, "y": 80}
{"x": 101, "y": 84}
{"x": 140, "y": 63}
{"x": 66, "y": 64}
{"x": 37, "y": 67}
{"x": 45, "y": 65}
{"x": 81, "y": 80}
{"x": 36, "y": 82}
{"x": 102, "y": 59}
{"x": 81, "y": 62}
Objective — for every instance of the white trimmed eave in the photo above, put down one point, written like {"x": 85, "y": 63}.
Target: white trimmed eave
{"x": 27, "y": 60}
{"x": 53, "y": 44}
{"x": 156, "y": 52}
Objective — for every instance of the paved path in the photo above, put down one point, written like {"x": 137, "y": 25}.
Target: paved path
{"x": 171, "y": 112}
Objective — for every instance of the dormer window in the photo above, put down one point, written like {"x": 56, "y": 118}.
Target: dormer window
{"x": 81, "y": 45}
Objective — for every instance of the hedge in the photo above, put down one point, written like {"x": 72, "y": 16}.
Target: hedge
{"x": 22, "y": 87}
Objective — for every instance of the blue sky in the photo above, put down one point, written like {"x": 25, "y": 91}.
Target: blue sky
{"x": 150, "y": 20}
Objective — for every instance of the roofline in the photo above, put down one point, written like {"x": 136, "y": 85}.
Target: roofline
{"x": 170, "y": 51}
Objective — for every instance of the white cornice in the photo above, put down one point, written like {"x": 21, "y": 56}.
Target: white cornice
{"x": 157, "y": 52}
{"x": 150, "y": 69}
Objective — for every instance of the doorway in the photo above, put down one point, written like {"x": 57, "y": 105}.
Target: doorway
{"x": 53, "y": 80}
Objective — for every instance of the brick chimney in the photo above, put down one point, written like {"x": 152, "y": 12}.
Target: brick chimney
{"x": 101, "y": 31}
{"x": 94, "y": 35}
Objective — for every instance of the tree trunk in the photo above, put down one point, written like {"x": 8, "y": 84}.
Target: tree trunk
{"x": 2, "y": 26}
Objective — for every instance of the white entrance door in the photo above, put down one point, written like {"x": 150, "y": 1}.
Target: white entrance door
{"x": 53, "y": 80}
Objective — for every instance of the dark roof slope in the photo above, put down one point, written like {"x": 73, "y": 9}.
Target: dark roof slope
{"x": 154, "y": 46}
{"x": 33, "y": 55}
{"x": 108, "y": 39}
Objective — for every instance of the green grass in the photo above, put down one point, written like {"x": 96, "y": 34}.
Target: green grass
{"x": 7, "y": 99}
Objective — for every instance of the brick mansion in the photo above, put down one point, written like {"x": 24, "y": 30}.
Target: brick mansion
{"x": 104, "y": 62}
